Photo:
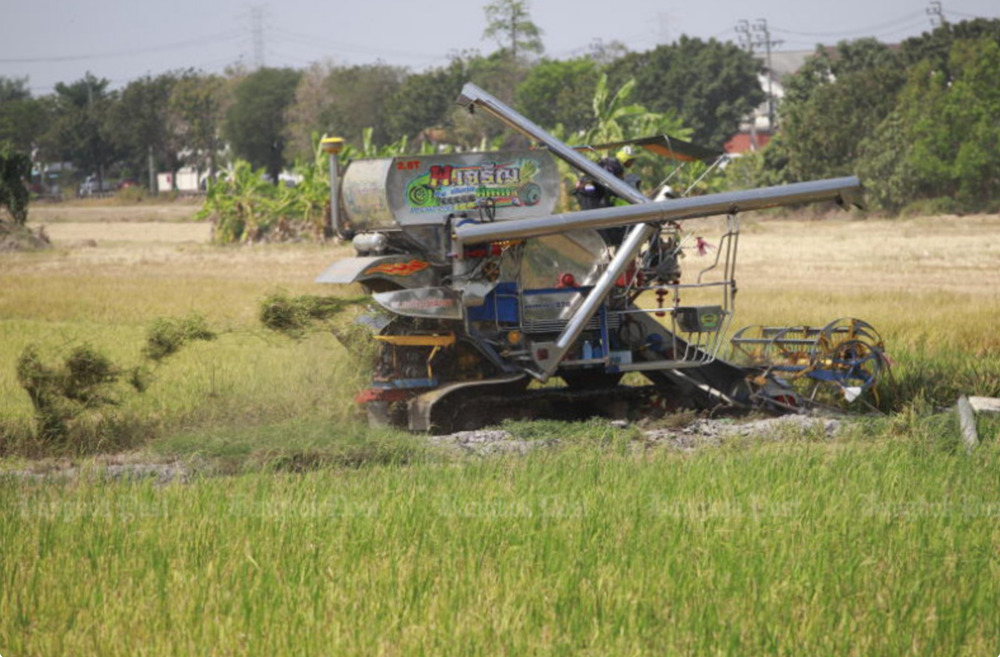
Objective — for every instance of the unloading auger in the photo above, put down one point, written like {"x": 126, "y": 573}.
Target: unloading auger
{"x": 482, "y": 289}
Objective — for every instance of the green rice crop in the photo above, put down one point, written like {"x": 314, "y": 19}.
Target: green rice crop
{"x": 859, "y": 546}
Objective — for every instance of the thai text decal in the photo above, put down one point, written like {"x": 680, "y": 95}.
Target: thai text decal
{"x": 453, "y": 188}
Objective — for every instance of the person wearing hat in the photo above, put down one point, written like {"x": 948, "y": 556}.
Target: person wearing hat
{"x": 626, "y": 156}
{"x": 591, "y": 194}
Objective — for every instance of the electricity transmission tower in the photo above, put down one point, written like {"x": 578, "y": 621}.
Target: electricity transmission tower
{"x": 257, "y": 30}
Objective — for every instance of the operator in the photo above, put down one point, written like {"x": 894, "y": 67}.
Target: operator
{"x": 592, "y": 194}
{"x": 625, "y": 158}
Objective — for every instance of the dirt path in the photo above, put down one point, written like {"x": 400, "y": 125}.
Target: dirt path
{"x": 87, "y": 224}
{"x": 108, "y": 211}
{"x": 70, "y": 234}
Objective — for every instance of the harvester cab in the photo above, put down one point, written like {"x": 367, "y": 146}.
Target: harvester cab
{"x": 484, "y": 289}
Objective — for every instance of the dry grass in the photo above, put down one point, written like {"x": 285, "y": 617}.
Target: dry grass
{"x": 107, "y": 294}
{"x": 936, "y": 254}
{"x": 113, "y": 210}
{"x": 79, "y": 234}
{"x": 928, "y": 284}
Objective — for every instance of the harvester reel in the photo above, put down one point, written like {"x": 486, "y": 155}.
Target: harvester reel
{"x": 855, "y": 364}
{"x": 843, "y": 359}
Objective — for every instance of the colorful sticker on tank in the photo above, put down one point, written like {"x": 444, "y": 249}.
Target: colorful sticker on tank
{"x": 453, "y": 188}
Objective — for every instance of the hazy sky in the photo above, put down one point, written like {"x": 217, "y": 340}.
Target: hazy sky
{"x": 52, "y": 41}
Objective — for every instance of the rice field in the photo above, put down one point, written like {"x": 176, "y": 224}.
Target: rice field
{"x": 309, "y": 534}
{"x": 788, "y": 548}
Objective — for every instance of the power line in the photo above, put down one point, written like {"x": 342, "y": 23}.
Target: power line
{"x": 341, "y": 46}
{"x": 861, "y": 30}
{"x": 961, "y": 14}
{"x": 177, "y": 45}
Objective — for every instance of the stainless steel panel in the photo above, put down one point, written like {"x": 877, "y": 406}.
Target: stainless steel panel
{"x": 404, "y": 270}
{"x": 345, "y": 270}
{"x": 431, "y": 302}
{"x": 363, "y": 194}
{"x": 581, "y": 253}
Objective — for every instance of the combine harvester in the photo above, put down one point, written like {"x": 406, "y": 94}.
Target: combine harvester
{"x": 482, "y": 290}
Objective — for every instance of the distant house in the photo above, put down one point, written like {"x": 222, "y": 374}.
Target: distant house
{"x": 757, "y": 127}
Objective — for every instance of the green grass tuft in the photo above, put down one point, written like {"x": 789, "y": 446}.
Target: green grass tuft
{"x": 167, "y": 335}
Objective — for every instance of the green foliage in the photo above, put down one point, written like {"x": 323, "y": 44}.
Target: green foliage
{"x": 833, "y": 108}
{"x": 957, "y": 135}
{"x": 941, "y": 141}
{"x": 614, "y": 117}
{"x": 359, "y": 99}
{"x": 15, "y": 170}
{"x": 246, "y": 208}
{"x": 917, "y": 125}
{"x": 195, "y": 112}
{"x": 508, "y": 22}
{"x": 168, "y": 334}
{"x": 60, "y": 394}
{"x": 254, "y": 125}
{"x": 23, "y": 119}
{"x": 848, "y": 110}
{"x": 935, "y": 46}
{"x": 240, "y": 203}
{"x": 140, "y": 117}
{"x": 556, "y": 92}
{"x": 708, "y": 85}
{"x": 83, "y": 128}
{"x": 368, "y": 148}
{"x": 886, "y": 163}
{"x": 617, "y": 118}
{"x": 307, "y": 202}
{"x": 425, "y": 100}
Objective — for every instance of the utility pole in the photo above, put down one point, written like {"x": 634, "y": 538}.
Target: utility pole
{"x": 756, "y": 36}
{"x": 764, "y": 39}
{"x": 936, "y": 14}
{"x": 152, "y": 172}
{"x": 743, "y": 32}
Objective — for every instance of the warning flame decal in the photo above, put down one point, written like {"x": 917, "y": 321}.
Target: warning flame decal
{"x": 398, "y": 268}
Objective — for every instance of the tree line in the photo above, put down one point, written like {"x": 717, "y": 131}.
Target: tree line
{"x": 916, "y": 121}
